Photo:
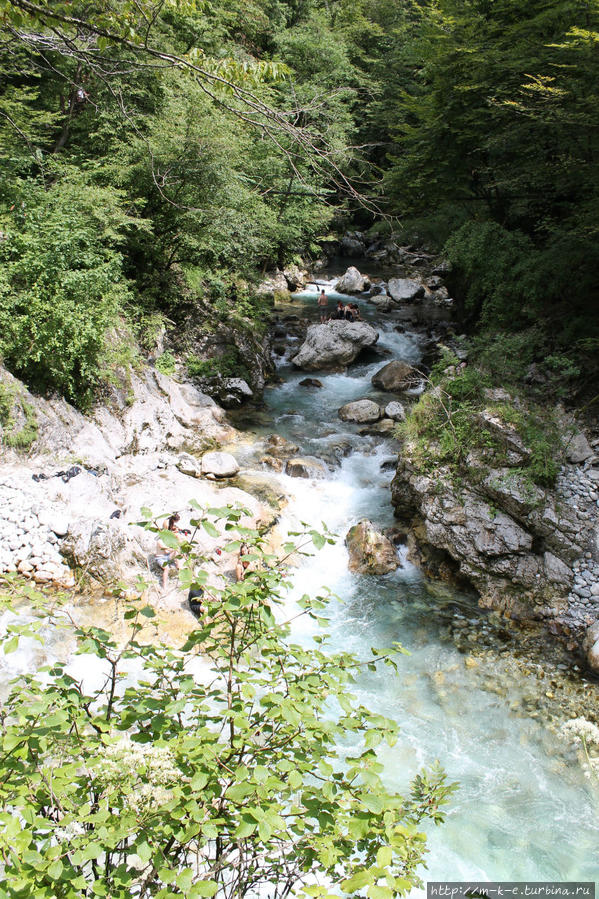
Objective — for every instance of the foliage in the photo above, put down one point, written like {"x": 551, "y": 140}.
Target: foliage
{"x": 259, "y": 771}
{"x": 445, "y": 426}
{"x": 229, "y": 365}
{"x": 166, "y": 363}
{"x": 17, "y": 418}
{"x": 61, "y": 285}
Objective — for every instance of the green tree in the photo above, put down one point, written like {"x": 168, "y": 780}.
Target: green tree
{"x": 262, "y": 773}
{"x": 62, "y": 286}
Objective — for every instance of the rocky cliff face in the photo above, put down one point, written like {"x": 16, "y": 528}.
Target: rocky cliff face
{"x": 73, "y": 502}
{"x": 530, "y": 552}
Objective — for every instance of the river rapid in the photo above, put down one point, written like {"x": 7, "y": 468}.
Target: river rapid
{"x": 524, "y": 810}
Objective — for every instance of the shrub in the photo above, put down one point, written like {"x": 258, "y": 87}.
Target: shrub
{"x": 260, "y": 775}
{"x": 61, "y": 287}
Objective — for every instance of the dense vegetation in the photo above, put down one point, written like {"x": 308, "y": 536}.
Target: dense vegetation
{"x": 150, "y": 151}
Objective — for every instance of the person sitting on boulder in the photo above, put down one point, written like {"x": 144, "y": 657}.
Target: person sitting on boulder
{"x": 243, "y": 566}
{"x": 323, "y": 302}
{"x": 348, "y": 313}
{"x": 339, "y": 312}
{"x": 166, "y": 555}
{"x": 194, "y": 598}
{"x": 356, "y": 312}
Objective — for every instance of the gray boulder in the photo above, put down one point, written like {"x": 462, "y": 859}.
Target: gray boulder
{"x": 219, "y": 465}
{"x": 228, "y": 392}
{"x": 404, "y": 290}
{"x": 334, "y": 345}
{"x": 189, "y": 465}
{"x": 395, "y": 411}
{"x": 578, "y": 449}
{"x": 352, "y": 282}
{"x": 351, "y": 245}
{"x": 295, "y": 277}
{"x": 590, "y": 645}
{"x": 361, "y": 411}
{"x": 395, "y": 376}
{"x": 382, "y": 302}
{"x": 273, "y": 282}
{"x": 305, "y": 467}
{"x": 370, "y": 552}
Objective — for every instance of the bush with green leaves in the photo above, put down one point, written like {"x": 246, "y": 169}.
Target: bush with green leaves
{"x": 260, "y": 774}
{"x": 62, "y": 286}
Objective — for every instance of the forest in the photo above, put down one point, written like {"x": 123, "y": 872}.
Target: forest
{"x": 155, "y": 152}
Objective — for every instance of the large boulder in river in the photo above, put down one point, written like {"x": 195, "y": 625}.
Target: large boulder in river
{"x": 305, "y": 467}
{"x": 332, "y": 346}
{"x": 403, "y": 290}
{"x": 370, "y": 552}
{"x": 395, "y": 376}
{"x": 361, "y": 411}
{"x": 352, "y": 282}
{"x": 219, "y": 465}
{"x": 295, "y": 277}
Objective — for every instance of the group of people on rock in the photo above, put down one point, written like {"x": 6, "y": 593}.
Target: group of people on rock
{"x": 167, "y": 557}
{"x": 343, "y": 312}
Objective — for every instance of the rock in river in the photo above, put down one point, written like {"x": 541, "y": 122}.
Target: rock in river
{"x": 405, "y": 289}
{"x": 334, "y": 345}
{"x": 370, "y": 552}
{"x": 305, "y": 467}
{"x": 362, "y": 411}
{"x": 395, "y": 376}
{"x": 395, "y": 411}
{"x": 352, "y": 282}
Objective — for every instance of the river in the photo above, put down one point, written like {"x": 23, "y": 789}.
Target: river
{"x": 524, "y": 810}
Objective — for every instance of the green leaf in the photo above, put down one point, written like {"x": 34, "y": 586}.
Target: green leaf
{"x": 55, "y": 869}
{"x": 357, "y": 881}
{"x": 384, "y": 856}
{"x": 203, "y": 888}
{"x": 209, "y": 528}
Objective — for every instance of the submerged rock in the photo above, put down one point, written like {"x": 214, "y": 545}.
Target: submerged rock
{"x": 361, "y": 411}
{"x": 334, "y": 345}
{"x": 370, "y": 552}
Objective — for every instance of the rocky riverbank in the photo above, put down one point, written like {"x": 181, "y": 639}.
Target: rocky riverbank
{"x": 68, "y": 509}
{"x": 530, "y": 551}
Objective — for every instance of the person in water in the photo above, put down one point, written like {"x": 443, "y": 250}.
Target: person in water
{"x": 323, "y": 302}
{"x": 166, "y": 556}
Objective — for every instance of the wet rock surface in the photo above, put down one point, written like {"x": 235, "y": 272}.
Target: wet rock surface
{"x": 370, "y": 552}
{"x": 361, "y": 411}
